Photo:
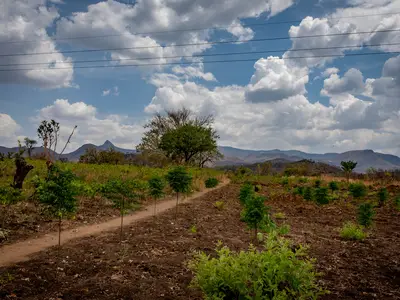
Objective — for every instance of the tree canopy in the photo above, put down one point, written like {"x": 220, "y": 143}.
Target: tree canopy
{"x": 181, "y": 137}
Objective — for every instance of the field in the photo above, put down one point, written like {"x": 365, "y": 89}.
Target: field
{"x": 27, "y": 218}
{"x": 151, "y": 262}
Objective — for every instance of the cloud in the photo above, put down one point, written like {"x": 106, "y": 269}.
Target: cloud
{"x": 171, "y": 17}
{"x": 8, "y": 130}
{"x": 91, "y": 128}
{"x": 194, "y": 71}
{"x": 352, "y": 82}
{"x": 25, "y": 23}
{"x": 274, "y": 79}
{"x": 114, "y": 91}
{"x": 106, "y": 92}
{"x": 328, "y": 72}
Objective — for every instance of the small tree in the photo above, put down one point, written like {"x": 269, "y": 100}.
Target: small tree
{"x": 122, "y": 194}
{"x": 246, "y": 193}
{"x": 179, "y": 180}
{"x": 321, "y": 195}
{"x": 365, "y": 214}
{"x": 57, "y": 192}
{"x": 29, "y": 145}
{"x": 348, "y": 167}
{"x": 48, "y": 132}
{"x": 358, "y": 190}
{"x": 382, "y": 196}
{"x": 308, "y": 195}
{"x": 156, "y": 189}
{"x": 255, "y": 213}
{"x": 8, "y": 196}
{"x": 333, "y": 185}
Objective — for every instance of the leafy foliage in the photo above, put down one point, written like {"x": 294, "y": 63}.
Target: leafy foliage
{"x": 220, "y": 205}
{"x": 211, "y": 182}
{"x": 348, "y": 167}
{"x": 179, "y": 179}
{"x": 285, "y": 181}
{"x": 358, "y": 190}
{"x": 121, "y": 193}
{"x": 57, "y": 192}
{"x": 9, "y": 195}
{"x": 277, "y": 272}
{"x": 333, "y": 185}
{"x": 94, "y": 156}
{"x": 299, "y": 191}
{"x": 365, "y": 214}
{"x": 397, "y": 202}
{"x": 382, "y": 196}
{"x": 246, "y": 193}
{"x": 321, "y": 195}
{"x": 156, "y": 187}
{"x": 255, "y": 212}
{"x": 317, "y": 183}
{"x": 308, "y": 193}
{"x": 351, "y": 231}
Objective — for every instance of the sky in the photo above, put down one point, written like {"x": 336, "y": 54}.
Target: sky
{"x": 339, "y": 94}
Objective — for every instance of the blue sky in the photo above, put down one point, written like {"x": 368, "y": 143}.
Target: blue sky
{"x": 313, "y": 105}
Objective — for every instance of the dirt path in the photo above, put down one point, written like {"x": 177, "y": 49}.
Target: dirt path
{"x": 17, "y": 252}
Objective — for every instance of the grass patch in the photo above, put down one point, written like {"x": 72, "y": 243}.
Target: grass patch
{"x": 351, "y": 231}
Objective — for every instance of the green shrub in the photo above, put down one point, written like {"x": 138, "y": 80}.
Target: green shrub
{"x": 317, "y": 183}
{"x": 365, "y": 214}
{"x": 57, "y": 192}
{"x": 255, "y": 212}
{"x": 397, "y": 202}
{"x": 246, "y": 192}
{"x": 303, "y": 180}
{"x": 8, "y": 197}
{"x": 156, "y": 189}
{"x": 179, "y": 180}
{"x": 357, "y": 190}
{"x": 382, "y": 196}
{"x": 321, "y": 195}
{"x": 121, "y": 193}
{"x": 277, "y": 272}
{"x": 308, "y": 193}
{"x": 211, "y": 182}
{"x": 285, "y": 181}
{"x": 220, "y": 205}
{"x": 279, "y": 216}
{"x": 351, "y": 231}
{"x": 299, "y": 191}
{"x": 257, "y": 188}
{"x": 333, "y": 185}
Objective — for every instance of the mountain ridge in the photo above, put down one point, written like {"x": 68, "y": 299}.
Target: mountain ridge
{"x": 235, "y": 156}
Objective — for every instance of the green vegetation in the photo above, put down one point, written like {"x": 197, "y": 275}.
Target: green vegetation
{"x": 8, "y": 196}
{"x": 277, "y": 272}
{"x": 299, "y": 191}
{"x": 365, "y": 214}
{"x": 308, "y": 194}
{"x": 255, "y": 212}
{"x": 156, "y": 189}
{"x": 58, "y": 194}
{"x": 351, "y": 231}
{"x": 179, "y": 180}
{"x": 317, "y": 183}
{"x": 348, "y": 167}
{"x": 211, "y": 182}
{"x": 358, "y": 190}
{"x": 333, "y": 186}
{"x": 279, "y": 216}
{"x": 285, "y": 181}
{"x": 382, "y": 196}
{"x": 321, "y": 195}
{"x": 246, "y": 193}
{"x": 220, "y": 205}
{"x": 397, "y": 202}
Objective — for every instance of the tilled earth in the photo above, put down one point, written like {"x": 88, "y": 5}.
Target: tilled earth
{"x": 151, "y": 262}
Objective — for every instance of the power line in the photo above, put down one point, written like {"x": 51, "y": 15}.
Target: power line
{"x": 203, "y": 43}
{"x": 204, "y": 62}
{"x": 189, "y": 29}
{"x": 204, "y": 55}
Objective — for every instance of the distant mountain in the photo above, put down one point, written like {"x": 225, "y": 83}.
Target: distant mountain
{"x": 365, "y": 158}
{"x": 237, "y": 157}
{"x": 75, "y": 155}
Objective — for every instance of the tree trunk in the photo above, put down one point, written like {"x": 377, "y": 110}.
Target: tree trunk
{"x": 59, "y": 231}
{"x": 5, "y": 215}
{"x": 176, "y": 210}
{"x": 22, "y": 170}
{"x": 155, "y": 206}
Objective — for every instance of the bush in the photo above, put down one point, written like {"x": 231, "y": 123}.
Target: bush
{"x": 299, "y": 191}
{"x": 278, "y": 272}
{"x": 357, "y": 190}
{"x": 303, "y": 180}
{"x": 321, "y": 195}
{"x": 317, "y": 183}
{"x": 257, "y": 188}
{"x": 285, "y": 181}
{"x": 255, "y": 212}
{"x": 382, "y": 196}
{"x": 397, "y": 202}
{"x": 333, "y": 185}
{"x": 121, "y": 193}
{"x": 211, "y": 182}
{"x": 156, "y": 189}
{"x": 246, "y": 192}
{"x": 365, "y": 214}
{"x": 351, "y": 231}
{"x": 308, "y": 194}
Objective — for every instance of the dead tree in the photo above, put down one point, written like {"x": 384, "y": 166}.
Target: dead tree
{"x": 22, "y": 170}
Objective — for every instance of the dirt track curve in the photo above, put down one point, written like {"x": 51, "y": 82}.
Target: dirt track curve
{"x": 21, "y": 251}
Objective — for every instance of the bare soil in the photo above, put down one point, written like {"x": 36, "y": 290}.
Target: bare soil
{"x": 151, "y": 262}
